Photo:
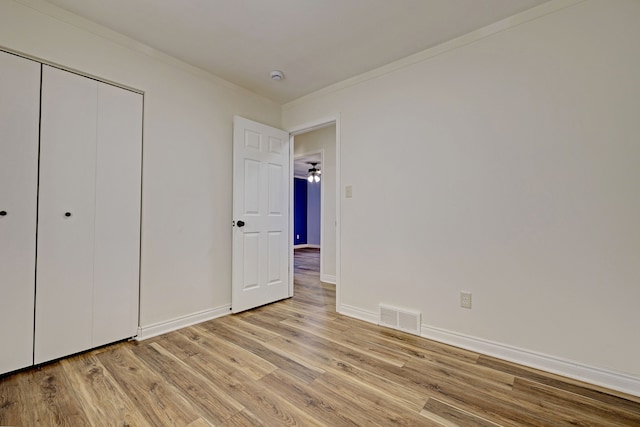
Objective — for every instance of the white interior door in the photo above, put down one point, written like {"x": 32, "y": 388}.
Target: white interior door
{"x": 260, "y": 267}
{"x": 66, "y": 214}
{"x": 19, "y": 115}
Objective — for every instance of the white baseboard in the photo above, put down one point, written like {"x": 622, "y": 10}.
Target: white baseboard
{"x": 613, "y": 380}
{"x": 145, "y": 332}
{"x": 606, "y": 378}
{"x": 357, "y": 313}
{"x": 306, "y": 245}
{"x": 328, "y": 278}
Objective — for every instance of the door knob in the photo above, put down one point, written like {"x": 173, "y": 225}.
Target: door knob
{"x": 3, "y": 213}
{"x": 240, "y": 223}
{"x": 67, "y": 214}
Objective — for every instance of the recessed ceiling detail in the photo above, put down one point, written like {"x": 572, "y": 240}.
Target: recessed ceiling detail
{"x": 318, "y": 42}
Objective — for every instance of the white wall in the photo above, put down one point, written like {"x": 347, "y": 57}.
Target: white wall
{"x": 324, "y": 140}
{"x": 186, "y": 233}
{"x": 507, "y": 166}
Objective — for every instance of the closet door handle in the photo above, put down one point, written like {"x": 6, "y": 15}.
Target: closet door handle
{"x": 3, "y": 213}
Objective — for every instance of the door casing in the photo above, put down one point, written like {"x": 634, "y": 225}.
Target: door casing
{"x": 298, "y": 130}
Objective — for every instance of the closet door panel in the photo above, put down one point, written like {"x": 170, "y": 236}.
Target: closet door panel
{"x": 66, "y": 215}
{"x": 117, "y": 223}
{"x": 19, "y": 116}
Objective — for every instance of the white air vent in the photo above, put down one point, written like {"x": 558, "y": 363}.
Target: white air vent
{"x": 403, "y": 320}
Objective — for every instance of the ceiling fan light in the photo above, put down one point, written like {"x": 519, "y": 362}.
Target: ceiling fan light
{"x": 314, "y": 173}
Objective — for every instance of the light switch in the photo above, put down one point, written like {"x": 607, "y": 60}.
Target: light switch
{"x": 348, "y": 192}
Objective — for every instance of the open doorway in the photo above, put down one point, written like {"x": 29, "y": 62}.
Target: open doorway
{"x": 314, "y": 241}
{"x": 307, "y": 208}
{"x": 307, "y": 215}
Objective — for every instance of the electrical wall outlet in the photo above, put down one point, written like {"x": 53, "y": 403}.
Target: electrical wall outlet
{"x": 465, "y": 299}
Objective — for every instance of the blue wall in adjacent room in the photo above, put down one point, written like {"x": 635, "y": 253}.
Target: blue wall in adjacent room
{"x": 313, "y": 213}
{"x": 299, "y": 211}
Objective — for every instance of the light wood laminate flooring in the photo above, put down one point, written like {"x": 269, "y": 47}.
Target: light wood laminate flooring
{"x": 298, "y": 362}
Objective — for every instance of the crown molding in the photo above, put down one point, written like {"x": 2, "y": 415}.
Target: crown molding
{"x": 466, "y": 39}
{"x": 69, "y": 18}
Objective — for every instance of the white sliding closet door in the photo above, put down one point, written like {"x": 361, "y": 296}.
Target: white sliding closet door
{"x": 117, "y": 224}
{"x": 89, "y": 215}
{"x": 19, "y": 115}
{"x": 66, "y": 214}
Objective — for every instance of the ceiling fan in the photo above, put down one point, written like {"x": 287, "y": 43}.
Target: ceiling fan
{"x": 314, "y": 173}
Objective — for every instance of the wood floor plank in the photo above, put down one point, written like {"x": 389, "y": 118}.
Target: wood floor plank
{"x": 393, "y": 337}
{"x": 215, "y": 405}
{"x": 294, "y": 310}
{"x": 299, "y": 363}
{"x": 184, "y": 343}
{"x": 331, "y": 362}
{"x": 380, "y": 352}
{"x": 414, "y": 348}
{"x": 475, "y": 396}
{"x": 247, "y": 329}
{"x": 572, "y": 409}
{"x": 412, "y": 379}
{"x": 294, "y": 331}
{"x": 160, "y": 403}
{"x": 103, "y": 401}
{"x": 18, "y": 400}
{"x": 631, "y": 403}
{"x": 466, "y": 372}
{"x": 242, "y": 419}
{"x": 259, "y": 349}
{"x": 57, "y": 403}
{"x": 333, "y": 406}
{"x": 438, "y": 410}
{"x": 319, "y": 405}
{"x": 231, "y": 354}
{"x": 258, "y": 400}
{"x": 381, "y": 409}
{"x": 309, "y": 323}
{"x": 304, "y": 359}
{"x": 200, "y": 423}
{"x": 436, "y": 420}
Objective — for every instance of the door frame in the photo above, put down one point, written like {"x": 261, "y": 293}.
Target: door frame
{"x": 297, "y": 130}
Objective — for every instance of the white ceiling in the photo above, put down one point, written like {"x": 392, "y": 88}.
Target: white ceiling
{"x": 314, "y": 42}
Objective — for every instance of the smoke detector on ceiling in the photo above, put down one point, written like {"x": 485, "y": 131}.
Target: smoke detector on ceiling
{"x": 277, "y": 75}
